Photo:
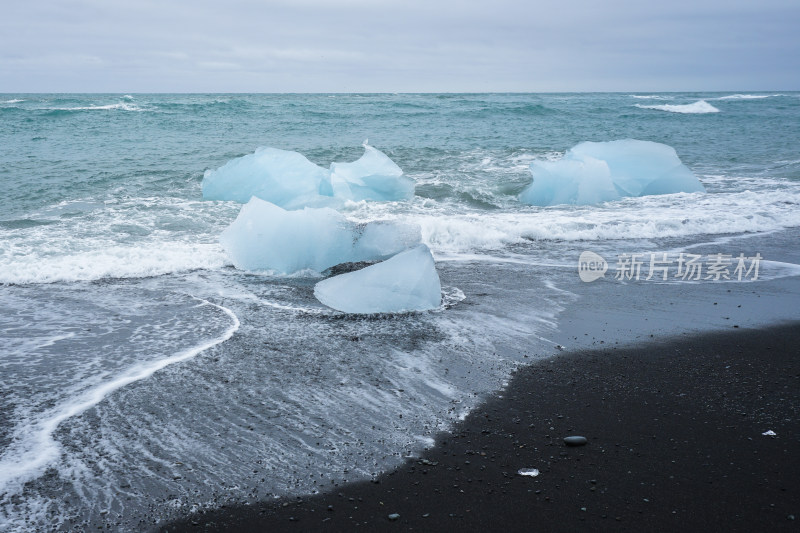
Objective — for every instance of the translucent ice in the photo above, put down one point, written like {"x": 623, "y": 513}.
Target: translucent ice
{"x": 569, "y": 181}
{"x": 291, "y": 181}
{"x": 373, "y": 177}
{"x": 594, "y": 172}
{"x": 267, "y": 237}
{"x": 406, "y": 282}
{"x": 282, "y": 177}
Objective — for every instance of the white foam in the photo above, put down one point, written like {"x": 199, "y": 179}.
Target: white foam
{"x": 513, "y": 259}
{"x": 14, "y": 101}
{"x": 651, "y": 97}
{"x": 293, "y": 308}
{"x": 676, "y": 215}
{"x": 33, "y": 448}
{"x": 700, "y": 106}
{"x": 50, "y": 341}
{"x": 110, "y": 107}
{"x": 89, "y": 239}
{"x": 777, "y": 269}
{"x": 746, "y": 96}
{"x": 133, "y": 261}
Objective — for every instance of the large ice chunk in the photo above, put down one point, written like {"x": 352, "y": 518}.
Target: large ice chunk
{"x": 373, "y": 177}
{"x": 406, "y": 282}
{"x": 594, "y": 172}
{"x": 291, "y": 181}
{"x": 285, "y": 178}
{"x": 585, "y": 181}
{"x": 267, "y": 237}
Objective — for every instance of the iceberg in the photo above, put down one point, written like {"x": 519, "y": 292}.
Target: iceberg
{"x": 289, "y": 180}
{"x": 373, "y": 177}
{"x": 406, "y": 282}
{"x": 594, "y": 172}
{"x": 267, "y": 237}
{"x": 282, "y": 177}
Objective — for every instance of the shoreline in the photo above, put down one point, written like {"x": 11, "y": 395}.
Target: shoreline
{"x": 675, "y": 442}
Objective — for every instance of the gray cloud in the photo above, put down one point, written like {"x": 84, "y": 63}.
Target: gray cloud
{"x": 358, "y": 45}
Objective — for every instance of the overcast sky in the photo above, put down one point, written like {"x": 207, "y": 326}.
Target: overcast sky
{"x": 398, "y": 45}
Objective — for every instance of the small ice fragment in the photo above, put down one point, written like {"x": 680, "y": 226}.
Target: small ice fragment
{"x": 532, "y": 472}
{"x": 770, "y": 433}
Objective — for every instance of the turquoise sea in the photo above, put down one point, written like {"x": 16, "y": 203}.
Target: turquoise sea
{"x": 143, "y": 377}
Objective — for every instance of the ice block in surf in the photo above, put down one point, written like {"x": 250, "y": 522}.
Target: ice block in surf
{"x": 595, "y": 172}
{"x": 267, "y": 237}
{"x": 372, "y": 177}
{"x": 289, "y": 180}
{"x": 406, "y": 282}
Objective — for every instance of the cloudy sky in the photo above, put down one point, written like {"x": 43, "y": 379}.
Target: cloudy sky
{"x": 398, "y": 45}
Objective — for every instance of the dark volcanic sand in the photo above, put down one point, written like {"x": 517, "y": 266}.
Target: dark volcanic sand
{"x": 675, "y": 443}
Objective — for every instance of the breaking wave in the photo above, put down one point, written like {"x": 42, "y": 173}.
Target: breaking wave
{"x": 747, "y": 96}
{"x": 122, "y": 106}
{"x": 700, "y": 106}
{"x": 138, "y": 261}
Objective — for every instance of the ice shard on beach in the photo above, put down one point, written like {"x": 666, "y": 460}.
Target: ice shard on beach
{"x": 406, "y": 282}
{"x": 266, "y": 237}
{"x": 594, "y": 172}
{"x": 289, "y": 180}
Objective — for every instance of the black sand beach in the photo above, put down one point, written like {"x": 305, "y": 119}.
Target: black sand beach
{"x": 675, "y": 443}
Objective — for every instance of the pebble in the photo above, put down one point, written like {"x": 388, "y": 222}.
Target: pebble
{"x": 394, "y": 516}
{"x": 575, "y": 440}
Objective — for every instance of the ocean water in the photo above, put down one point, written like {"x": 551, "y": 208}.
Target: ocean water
{"x": 143, "y": 378}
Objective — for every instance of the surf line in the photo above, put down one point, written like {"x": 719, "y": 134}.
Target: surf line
{"x": 34, "y": 447}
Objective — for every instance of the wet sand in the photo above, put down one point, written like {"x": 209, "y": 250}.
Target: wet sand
{"x": 675, "y": 443}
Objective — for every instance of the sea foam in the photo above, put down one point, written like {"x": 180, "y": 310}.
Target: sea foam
{"x": 699, "y": 107}
{"x": 747, "y": 96}
{"x": 118, "y": 261}
{"x": 33, "y": 447}
{"x": 108, "y": 107}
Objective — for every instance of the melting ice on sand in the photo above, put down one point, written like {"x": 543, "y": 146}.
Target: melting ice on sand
{"x": 406, "y": 282}
{"x": 594, "y": 172}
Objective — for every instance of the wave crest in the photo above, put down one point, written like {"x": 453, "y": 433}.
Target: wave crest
{"x": 747, "y": 96}
{"x": 112, "y": 262}
{"x": 700, "y": 106}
